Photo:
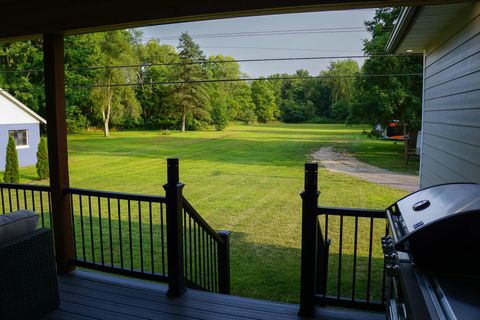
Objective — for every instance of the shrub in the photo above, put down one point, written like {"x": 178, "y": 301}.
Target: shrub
{"x": 42, "y": 160}
{"x": 11, "y": 174}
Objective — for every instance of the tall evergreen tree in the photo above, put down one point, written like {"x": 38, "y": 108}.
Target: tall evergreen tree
{"x": 11, "y": 174}
{"x": 42, "y": 160}
{"x": 190, "y": 98}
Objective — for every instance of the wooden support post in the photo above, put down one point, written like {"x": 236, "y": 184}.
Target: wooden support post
{"x": 224, "y": 263}
{"x": 173, "y": 191}
{"x": 309, "y": 241}
{"x": 53, "y": 60}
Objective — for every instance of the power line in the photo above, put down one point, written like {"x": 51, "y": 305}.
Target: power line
{"x": 280, "y": 48}
{"x": 266, "y": 33}
{"x": 245, "y": 79}
{"x": 147, "y": 65}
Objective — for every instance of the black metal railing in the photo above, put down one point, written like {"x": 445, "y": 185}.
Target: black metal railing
{"x": 14, "y": 196}
{"x": 342, "y": 263}
{"x": 160, "y": 238}
{"x": 119, "y": 233}
{"x": 205, "y": 253}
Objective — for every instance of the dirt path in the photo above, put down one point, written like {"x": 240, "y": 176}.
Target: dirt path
{"x": 336, "y": 161}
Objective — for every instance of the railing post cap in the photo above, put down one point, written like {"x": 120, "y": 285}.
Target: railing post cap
{"x": 311, "y": 166}
{"x": 172, "y": 161}
{"x": 224, "y": 233}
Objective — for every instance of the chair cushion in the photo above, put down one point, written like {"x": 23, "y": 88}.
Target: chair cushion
{"x": 15, "y": 224}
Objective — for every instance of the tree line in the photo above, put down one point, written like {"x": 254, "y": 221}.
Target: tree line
{"x": 113, "y": 79}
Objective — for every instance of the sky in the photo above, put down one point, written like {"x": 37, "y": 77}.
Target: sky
{"x": 275, "y": 36}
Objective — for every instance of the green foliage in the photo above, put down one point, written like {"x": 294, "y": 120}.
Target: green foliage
{"x": 116, "y": 104}
{"x": 264, "y": 99}
{"x": 42, "y": 159}
{"x": 11, "y": 174}
{"x": 381, "y": 99}
{"x": 190, "y": 98}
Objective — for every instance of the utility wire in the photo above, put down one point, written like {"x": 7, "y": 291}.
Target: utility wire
{"x": 245, "y": 79}
{"x": 39, "y": 87}
{"x": 216, "y": 62}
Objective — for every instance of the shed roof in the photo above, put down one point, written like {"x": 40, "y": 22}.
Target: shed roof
{"x": 13, "y": 111}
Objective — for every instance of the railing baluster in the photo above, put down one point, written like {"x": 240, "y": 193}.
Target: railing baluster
{"x": 204, "y": 264}
{"x": 110, "y": 231}
{"x": 120, "y": 233}
{"x": 163, "y": 238}
{"x": 33, "y": 200}
{"x": 41, "y": 209}
{"x": 190, "y": 246}
{"x": 82, "y": 228}
{"x": 130, "y": 234}
{"x": 3, "y": 201}
{"x": 18, "y": 200}
{"x": 195, "y": 229}
{"x": 152, "y": 260}
{"x": 49, "y": 197}
{"x": 92, "y": 243}
{"x": 140, "y": 235}
{"x": 10, "y": 199}
{"x": 73, "y": 227}
{"x": 369, "y": 270}
{"x": 25, "y": 199}
{"x": 354, "y": 258}
{"x": 101, "y": 231}
{"x": 185, "y": 257}
{"x": 340, "y": 253}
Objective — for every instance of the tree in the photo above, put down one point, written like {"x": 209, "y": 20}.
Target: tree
{"x": 190, "y": 98}
{"x": 158, "y": 107}
{"x": 42, "y": 159}
{"x": 264, "y": 99}
{"x": 381, "y": 99}
{"x": 115, "y": 103}
{"x": 11, "y": 174}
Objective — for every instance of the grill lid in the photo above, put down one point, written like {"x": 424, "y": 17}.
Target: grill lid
{"x": 428, "y": 205}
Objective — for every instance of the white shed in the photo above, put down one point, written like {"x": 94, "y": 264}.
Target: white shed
{"x": 18, "y": 121}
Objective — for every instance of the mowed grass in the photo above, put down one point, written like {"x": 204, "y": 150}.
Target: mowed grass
{"x": 246, "y": 179}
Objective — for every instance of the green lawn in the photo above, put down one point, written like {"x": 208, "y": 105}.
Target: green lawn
{"x": 246, "y": 179}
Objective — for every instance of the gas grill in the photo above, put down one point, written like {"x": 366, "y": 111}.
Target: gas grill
{"x": 432, "y": 254}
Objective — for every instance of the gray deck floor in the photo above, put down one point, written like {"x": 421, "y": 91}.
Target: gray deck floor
{"x": 88, "y": 295}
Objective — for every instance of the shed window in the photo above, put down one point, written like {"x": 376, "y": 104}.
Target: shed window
{"x": 20, "y": 137}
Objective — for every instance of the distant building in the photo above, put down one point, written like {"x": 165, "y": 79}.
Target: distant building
{"x": 449, "y": 38}
{"x": 18, "y": 121}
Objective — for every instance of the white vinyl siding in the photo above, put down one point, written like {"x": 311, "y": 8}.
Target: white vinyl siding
{"x": 451, "y": 120}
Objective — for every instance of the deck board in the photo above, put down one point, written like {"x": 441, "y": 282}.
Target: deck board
{"x": 89, "y": 295}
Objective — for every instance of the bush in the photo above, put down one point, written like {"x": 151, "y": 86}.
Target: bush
{"x": 42, "y": 160}
{"x": 11, "y": 174}
{"x": 219, "y": 117}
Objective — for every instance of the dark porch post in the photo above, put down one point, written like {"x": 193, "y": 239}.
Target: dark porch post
{"x": 53, "y": 60}
{"x": 309, "y": 241}
{"x": 173, "y": 191}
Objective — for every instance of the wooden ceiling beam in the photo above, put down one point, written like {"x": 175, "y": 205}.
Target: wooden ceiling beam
{"x": 31, "y": 18}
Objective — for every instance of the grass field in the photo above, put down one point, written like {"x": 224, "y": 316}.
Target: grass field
{"x": 246, "y": 179}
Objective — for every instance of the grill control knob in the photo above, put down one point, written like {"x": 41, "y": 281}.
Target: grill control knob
{"x": 392, "y": 270}
{"x": 387, "y": 245}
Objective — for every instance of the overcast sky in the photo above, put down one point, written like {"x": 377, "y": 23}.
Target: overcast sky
{"x": 304, "y": 43}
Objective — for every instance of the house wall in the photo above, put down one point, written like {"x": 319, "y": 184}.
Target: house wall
{"x": 451, "y": 120}
{"x": 26, "y": 156}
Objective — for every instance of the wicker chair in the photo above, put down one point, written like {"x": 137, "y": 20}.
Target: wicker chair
{"x": 28, "y": 278}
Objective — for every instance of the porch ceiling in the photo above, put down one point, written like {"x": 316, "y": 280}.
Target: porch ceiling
{"x": 418, "y": 28}
{"x": 30, "y": 18}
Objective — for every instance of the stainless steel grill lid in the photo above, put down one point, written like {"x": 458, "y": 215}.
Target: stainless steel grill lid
{"x": 440, "y": 227}
{"x": 426, "y": 206}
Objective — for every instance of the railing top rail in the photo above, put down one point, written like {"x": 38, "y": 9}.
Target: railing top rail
{"x": 22, "y": 186}
{"x": 117, "y": 195}
{"x": 351, "y": 212}
{"x": 196, "y": 216}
